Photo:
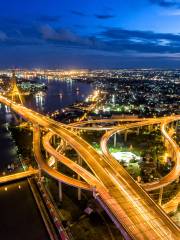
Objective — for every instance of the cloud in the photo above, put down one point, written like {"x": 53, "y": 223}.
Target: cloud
{"x": 104, "y": 16}
{"x": 3, "y": 36}
{"x": 50, "y": 33}
{"x": 78, "y": 13}
{"x": 166, "y": 3}
{"x": 109, "y": 45}
{"x": 13, "y": 33}
{"x": 118, "y": 33}
{"x": 122, "y": 40}
{"x": 98, "y": 16}
{"x": 66, "y": 37}
{"x": 108, "y": 40}
{"x": 47, "y": 18}
{"x": 115, "y": 40}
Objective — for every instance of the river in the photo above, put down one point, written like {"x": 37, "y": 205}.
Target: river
{"x": 20, "y": 218}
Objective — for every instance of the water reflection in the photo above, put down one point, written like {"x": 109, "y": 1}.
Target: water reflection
{"x": 40, "y": 100}
{"x": 22, "y": 211}
{"x": 60, "y": 94}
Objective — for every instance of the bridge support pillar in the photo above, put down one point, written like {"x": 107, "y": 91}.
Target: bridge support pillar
{"x": 46, "y": 154}
{"x": 60, "y": 191}
{"x": 115, "y": 140}
{"x": 176, "y": 126}
{"x": 56, "y": 164}
{"x": 53, "y": 140}
{"x": 125, "y": 136}
{"x": 178, "y": 180}
{"x": 160, "y": 196}
{"x": 149, "y": 128}
{"x": 137, "y": 132}
{"x": 79, "y": 194}
{"x": 39, "y": 172}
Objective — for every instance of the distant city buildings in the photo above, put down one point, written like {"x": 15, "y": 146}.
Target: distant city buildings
{"x": 142, "y": 92}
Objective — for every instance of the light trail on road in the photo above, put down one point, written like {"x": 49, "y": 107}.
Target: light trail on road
{"x": 132, "y": 207}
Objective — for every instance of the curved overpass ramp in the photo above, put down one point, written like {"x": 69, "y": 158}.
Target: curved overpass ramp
{"x": 135, "y": 212}
{"x": 175, "y": 172}
{"x": 83, "y": 125}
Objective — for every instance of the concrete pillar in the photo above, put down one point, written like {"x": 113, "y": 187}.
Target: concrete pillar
{"x": 56, "y": 164}
{"x": 149, "y": 128}
{"x": 160, "y": 196}
{"x": 177, "y": 180}
{"x": 125, "y": 136}
{"x": 47, "y": 155}
{"x": 65, "y": 143}
{"x": 115, "y": 140}
{"x": 176, "y": 126}
{"x": 138, "y": 131}
{"x": 39, "y": 172}
{"x": 60, "y": 191}
{"x": 79, "y": 160}
{"x": 79, "y": 194}
{"x": 54, "y": 140}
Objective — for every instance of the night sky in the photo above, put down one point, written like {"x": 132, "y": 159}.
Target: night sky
{"x": 89, "y": 33}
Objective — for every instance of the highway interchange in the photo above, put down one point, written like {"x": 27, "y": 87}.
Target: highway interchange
{"x": 127, "y": 203}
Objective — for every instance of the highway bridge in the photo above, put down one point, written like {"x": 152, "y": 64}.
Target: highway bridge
{"x": 135, "y": 214}
{"x": 175, "y": 172}
{"x": 18, "y": 176}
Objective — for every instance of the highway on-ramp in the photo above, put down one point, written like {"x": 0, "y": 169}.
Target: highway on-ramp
{"x": 126, "y": 201}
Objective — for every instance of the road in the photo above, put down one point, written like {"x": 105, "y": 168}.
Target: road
{"x": 86, "y": 175}
{"x": 127, "y": 202}
{"x": 50, "y": 171}
{"x": 172, "y": 205}
{"x": 17, "y": 176}
{"x": 96, "y": 124}
{"x": 175, "y": 172}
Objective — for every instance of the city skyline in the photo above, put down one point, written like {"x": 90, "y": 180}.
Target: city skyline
{"x": 90, "y": 119}
{"x": 112, "y": 34}
{"x": 134, "y": 150}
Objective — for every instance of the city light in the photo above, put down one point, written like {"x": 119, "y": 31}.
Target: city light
{"x": 90, "y": 120}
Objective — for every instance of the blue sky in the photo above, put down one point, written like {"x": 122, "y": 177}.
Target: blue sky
{"x": 90, "y": 33}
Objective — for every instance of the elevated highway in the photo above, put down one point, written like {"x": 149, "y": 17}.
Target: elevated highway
{"x": 96, "y": 124}
{"x": 134, "y": 212}
{"x": 52, "y": 172}
{"x": 175, "y": 172}
{"x": 172, "y": 205}
{"x": 17, "y": 176}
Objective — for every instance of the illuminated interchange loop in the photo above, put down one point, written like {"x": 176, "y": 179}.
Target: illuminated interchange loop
{"x": 135, "y": 214}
